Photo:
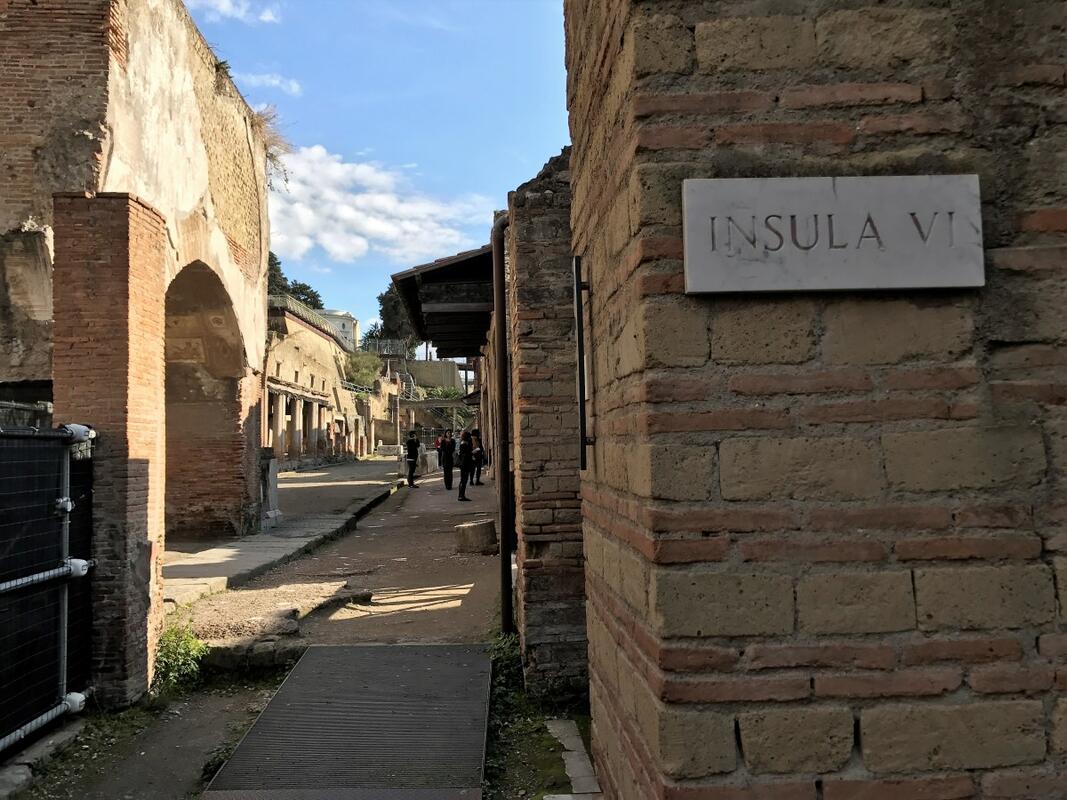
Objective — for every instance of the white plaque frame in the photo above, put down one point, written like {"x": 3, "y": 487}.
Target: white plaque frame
{"x": 817, "y": 234}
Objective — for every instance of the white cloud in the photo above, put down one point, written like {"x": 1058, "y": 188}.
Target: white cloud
{"x": 350, "y": 209}
{"x": 420, "y": 19}
{"x": 269, "y": 80}
{"x": 243, "y": 10}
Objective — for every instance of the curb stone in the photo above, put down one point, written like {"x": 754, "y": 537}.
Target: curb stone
{"x": 17, "y": 773}
{"x": 14, "y": 779}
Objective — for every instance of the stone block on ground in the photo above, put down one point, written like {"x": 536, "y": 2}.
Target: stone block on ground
{"x": 14, "y": 779}
{"x": 476, "y": 537}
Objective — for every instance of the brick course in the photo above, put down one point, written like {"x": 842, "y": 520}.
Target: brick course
{"x": 815, "y": 501}
{"x": 109, "y": 368}
{"x": 550, "y": 590}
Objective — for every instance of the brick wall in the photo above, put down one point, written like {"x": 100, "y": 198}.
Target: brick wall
{"x": 551, "y": 592}
{"x": 109, "y": 368}
{"x": 212, "y": 414}
{"x": 53, "y": 85}
{"x": 823, "y": 531}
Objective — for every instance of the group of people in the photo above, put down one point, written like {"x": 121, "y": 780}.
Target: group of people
{"x": 468, "y": 456}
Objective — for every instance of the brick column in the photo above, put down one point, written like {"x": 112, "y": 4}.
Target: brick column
{"x": 108, "y": 371}
{"x": 551, "y": 578}
{"x": 823, "y": 530}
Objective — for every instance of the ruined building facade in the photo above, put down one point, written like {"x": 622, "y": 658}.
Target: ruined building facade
{"x": 823, "y": 531}
{"x": 311, "y": 414}
{"x": 133, "y": 244}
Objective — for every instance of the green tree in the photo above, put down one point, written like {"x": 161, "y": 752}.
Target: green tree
{"x": 395, "y": 321}
{"x": 363, "y": 368}
{"x": 373, "y": 333}
{"x": 305, "y": 294}
{"x": 277, "y": 283}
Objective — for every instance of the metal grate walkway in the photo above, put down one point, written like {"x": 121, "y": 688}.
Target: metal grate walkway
{"x": 368, "y": 722}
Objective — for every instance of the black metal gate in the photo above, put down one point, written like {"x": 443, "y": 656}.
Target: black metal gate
{"x": 45, "y": 558}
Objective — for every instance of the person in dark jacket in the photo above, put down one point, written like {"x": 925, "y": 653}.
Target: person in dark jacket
{"x": 446, "y": 451}
{"x": 413, "y": 446}
{"x": 466, "y": 463}
{"x": 478, "y": 455}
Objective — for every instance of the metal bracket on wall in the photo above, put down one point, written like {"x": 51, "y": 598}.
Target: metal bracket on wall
{"x": 581, "y": 286}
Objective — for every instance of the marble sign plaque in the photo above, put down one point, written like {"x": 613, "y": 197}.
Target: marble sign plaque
{"x": 810, "y": 234}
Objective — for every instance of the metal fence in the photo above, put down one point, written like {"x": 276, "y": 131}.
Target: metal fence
{"x": 387, "y": 347}
{"x": 45, "y": 558}
{"x": 25, "y": 415}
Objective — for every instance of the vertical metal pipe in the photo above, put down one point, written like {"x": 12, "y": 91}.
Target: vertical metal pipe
{"x": 502, "y": 461}
{"x": 64, "y": 555}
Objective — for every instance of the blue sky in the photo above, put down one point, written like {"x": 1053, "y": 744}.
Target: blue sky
{"x": 410, "y": 121}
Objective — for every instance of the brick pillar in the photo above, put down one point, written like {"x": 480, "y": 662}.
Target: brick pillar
{"x": 108, "y": 370}
{"x": 551, "y": 579}
{"x": 822, "y": 529}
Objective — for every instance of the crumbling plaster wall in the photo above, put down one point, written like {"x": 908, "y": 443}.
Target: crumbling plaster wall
{"x": 122, "y": 96}
{"x": 53, "y": 95}
{"x": 181, "y": 138}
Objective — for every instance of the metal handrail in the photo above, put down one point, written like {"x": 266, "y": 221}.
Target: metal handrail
{"x": 385, "y": 347}
{"x": 356, "y": 388}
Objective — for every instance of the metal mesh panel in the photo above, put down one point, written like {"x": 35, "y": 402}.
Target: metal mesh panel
{"x": 31, "y": 533}
{"x": 29, "y": 640}
{"x": 373, "y": 721}
{"x": 29, "y": 524}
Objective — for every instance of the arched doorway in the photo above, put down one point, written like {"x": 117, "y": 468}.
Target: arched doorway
{"x": 207, "y": 493}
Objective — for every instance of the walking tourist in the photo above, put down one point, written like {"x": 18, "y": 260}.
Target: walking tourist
{"x": 446, "y": 452}
{"x": 478, "y": 455}
{"x": 413, "y": 446}
{"x": 466, "y": 463}
{"x": 437, "y": 447}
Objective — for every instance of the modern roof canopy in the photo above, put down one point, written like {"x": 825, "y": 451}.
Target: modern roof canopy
{"x": 450, "y": 301}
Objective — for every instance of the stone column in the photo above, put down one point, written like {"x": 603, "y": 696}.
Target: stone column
{"x": 315, "y": 430}
{"x": 296, "y": 426}
{"x": 278, "y": 428}
{"x": 108, "y": 290}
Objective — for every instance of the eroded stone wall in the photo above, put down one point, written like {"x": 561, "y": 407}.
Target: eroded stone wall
{"x": 823, "y": 531}
{"x": 118, "y": 109}
{"x": 550, "y": 588}
{"x": 53, "y": 95}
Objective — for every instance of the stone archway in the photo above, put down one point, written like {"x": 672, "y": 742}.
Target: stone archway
{"x": 206, "y": 434}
